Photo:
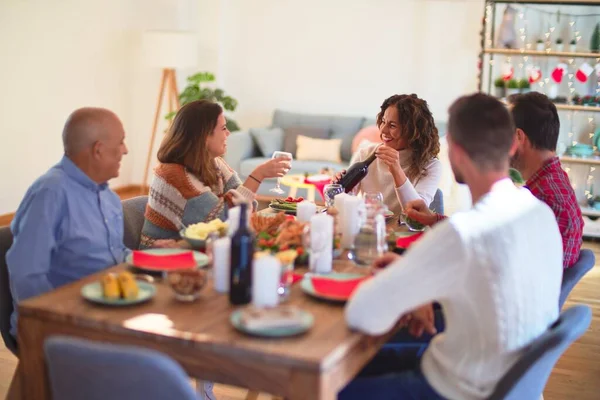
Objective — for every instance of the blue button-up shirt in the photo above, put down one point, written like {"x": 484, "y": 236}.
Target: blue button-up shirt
{"x": 66, "y": 227}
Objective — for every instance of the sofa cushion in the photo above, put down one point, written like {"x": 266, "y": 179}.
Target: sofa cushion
{"x": 268, "y": 140}
{"x": 318, "y": 149}
{"x": 339, "y": 127}
{"x": 290, "y": 136}
{"x": 298, "y": 167}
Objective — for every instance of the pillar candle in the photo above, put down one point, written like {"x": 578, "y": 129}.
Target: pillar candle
{"x": 321, "y": 243}
{"x": 305, "y": 210}
{"x": 266, "y": 274}
{"x": 233, "y": 220}
{"x": 350, "y": 221}
{"x": 221, "y": 263}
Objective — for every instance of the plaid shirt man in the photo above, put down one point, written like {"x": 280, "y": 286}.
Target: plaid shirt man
{"x": 551, "y": 185}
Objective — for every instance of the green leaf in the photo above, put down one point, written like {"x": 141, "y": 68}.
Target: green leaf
{"x": 232, "y": 126}
{"x": 201, "y": 77}
{"x": 170, "y": 115}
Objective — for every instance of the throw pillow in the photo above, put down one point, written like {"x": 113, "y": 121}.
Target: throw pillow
{"x": 370, "y": 133}
{"x": 291, "y": 135}
{"x": 318, "y": 149}
{"x": 268, "y": 140}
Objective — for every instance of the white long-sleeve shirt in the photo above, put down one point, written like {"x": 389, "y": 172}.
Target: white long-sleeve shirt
{"x": 380, "y": 179}
{"x": 496, "y": 269}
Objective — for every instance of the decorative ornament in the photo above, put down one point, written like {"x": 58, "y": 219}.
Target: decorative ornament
{"x": 507, "y": 34}
{"x": 535, "y": 74}
{"x": 507, "y": 71}
{"x": 583, "y": 72}
{"x": 559, "y": 72}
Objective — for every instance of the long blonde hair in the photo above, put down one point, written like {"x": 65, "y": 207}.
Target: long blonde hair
{"x": 185, "y": 142}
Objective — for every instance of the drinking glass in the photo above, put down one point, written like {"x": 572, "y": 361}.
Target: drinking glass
{"x": 375, "y": 198}
{"x": 330, "y": 191}
{"x": 280, "y": 154}
{"x": 370, "y": 242}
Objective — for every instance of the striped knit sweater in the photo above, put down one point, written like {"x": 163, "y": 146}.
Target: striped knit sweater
{"x": 178, "y": 197}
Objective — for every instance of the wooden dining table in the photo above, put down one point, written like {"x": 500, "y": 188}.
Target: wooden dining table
{"x": 200, "y": 337}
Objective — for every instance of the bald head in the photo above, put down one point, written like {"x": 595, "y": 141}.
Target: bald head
{"x": 86, "y": 126}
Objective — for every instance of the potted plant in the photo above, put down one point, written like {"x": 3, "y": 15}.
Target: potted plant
{"x": 196, "y": 90}
{"x": 540, "y": 45}
{"x": 595, "y": 41}
{"x": 573, "y": 46}
{"x": 559, "y": 44}
{"x": 499, "y": 87}
{"x": 524, "y": 85}
{"x": 512, "y": 87}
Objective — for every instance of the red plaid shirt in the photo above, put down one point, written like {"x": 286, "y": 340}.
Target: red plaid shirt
{"x": 551, "y": 185}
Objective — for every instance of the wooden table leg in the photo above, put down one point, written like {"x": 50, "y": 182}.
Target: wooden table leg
{"x": 34, "y": 380}
{"x": 293, "y": 191}
{"x": 311, "y": 194}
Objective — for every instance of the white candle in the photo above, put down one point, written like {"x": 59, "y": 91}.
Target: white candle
{"x": 266, "y": 274}
{"x": 338, "y": 203}
{"x": 305, "y": 210}
{"x": 350, "y": 222}
{"x": 221, "y": 264}
{"x": 321, "y": 243}
{"x": 233, "y": 220}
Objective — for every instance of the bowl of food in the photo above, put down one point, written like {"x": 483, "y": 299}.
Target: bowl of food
{"x": 414, "y": 226}
{"x": 187, "y": 283}
{"x": 197, "y": 234}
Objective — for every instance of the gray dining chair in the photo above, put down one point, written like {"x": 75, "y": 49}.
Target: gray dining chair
{"x": 572, "y": 275}
{"x": 527, "y": 378}
{"x": 82, "y": 369}
{"x": 437, "y": 204}
{"x": 6, "y": 300}
{"x": 133, "y": 219}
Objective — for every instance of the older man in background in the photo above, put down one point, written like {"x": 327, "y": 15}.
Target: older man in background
{"x": 70, "y": 224}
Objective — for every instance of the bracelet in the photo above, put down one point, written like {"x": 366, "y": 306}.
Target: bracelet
{"x": 250, "y": 176}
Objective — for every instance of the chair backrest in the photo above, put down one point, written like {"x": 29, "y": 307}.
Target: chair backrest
{"x": 81, "y": 369}
{"x": 6, "y": 300}
{"x": 572, "y": 275}
{"x": 133, "y": 218}
{"x": 527, "y": 378}
{"x": 437, "y": 204}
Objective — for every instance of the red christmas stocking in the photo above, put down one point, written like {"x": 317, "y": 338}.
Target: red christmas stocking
{"x": 559, "y": 72}
{"x": 583, "y": 72}
{"x": 535, "y": 74}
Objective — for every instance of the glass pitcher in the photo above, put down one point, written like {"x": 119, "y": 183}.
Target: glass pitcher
{"x": 370, "y": 242}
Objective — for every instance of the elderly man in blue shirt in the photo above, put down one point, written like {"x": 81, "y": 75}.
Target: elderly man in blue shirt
{"x": 70, "y": 224}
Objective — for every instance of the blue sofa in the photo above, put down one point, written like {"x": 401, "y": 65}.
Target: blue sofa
{"x": 244, "y": 154}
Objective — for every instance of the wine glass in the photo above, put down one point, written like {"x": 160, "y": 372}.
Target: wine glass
{"x": 375, "y": 198}
{"x": 330, "y": 191}
{"x": 280, "y": 154}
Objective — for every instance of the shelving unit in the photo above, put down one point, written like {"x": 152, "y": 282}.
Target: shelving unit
{"x": 486, "y": 77}
{"x": 543, "y": 53}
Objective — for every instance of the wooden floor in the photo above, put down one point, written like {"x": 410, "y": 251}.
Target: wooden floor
{"x": 575, "y": 377}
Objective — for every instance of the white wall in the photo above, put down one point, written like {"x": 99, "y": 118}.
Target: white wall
{"x": 313, "y": 56}
{"x": 346, "y": 57}
{"x": 63, "y": 54}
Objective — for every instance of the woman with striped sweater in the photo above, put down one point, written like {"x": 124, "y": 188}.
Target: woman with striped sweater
{"x": 193, "y": 183}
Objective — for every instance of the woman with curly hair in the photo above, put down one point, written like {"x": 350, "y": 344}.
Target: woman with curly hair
{"x": 406, "y": 167}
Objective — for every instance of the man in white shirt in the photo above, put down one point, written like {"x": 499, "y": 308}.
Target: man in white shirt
{"x": 496, "y": 270}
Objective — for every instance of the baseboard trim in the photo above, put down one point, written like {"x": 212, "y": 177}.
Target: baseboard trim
{"x": 124, "y": 192}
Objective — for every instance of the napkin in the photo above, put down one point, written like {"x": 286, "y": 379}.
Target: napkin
{"x": 167, "y": 261}
{"x": 337, "y": 288}
{"x": 404, "y": 242}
